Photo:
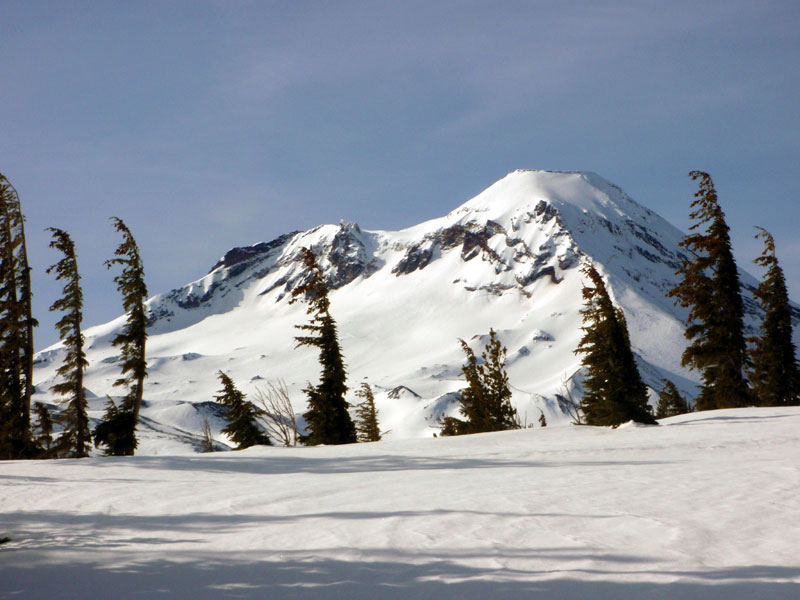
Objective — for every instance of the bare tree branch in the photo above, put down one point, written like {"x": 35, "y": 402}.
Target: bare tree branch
{"x": 278, "y": 417}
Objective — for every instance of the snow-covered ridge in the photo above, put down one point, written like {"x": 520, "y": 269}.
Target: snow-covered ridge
{"x": 508, "y": 259}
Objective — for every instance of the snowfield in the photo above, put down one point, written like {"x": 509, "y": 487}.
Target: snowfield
{"x": 705, "y": 506}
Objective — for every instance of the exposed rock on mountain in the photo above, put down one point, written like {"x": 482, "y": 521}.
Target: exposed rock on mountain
{"x": 508, "y": 259}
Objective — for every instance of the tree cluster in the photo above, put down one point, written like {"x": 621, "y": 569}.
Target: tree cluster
{"x": 709, "y": 288}
{"x": 117, "y": 431}
{"x": 486, "y": 401}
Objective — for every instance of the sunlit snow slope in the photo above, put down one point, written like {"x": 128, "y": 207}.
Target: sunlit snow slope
{"x": 508, "y": 259}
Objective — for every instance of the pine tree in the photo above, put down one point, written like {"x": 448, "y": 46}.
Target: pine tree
{"x": 542, "y": 419}
{"x": 117, "y": 432}
{"x": 710, "y": 290}
{"x": 367, "y": 429}
{"x": 327, "y": 419}
{"x": 670, "y": 401}
{"x": 615, "y": 392}
{"x": 774, "y": 376}
{"x": 16, "y": 329}
{"x": 45, "y": 437}
{"x": 75, "y": 441}
{"x": 242, "y": 416}
{"x": 486, "y": 401}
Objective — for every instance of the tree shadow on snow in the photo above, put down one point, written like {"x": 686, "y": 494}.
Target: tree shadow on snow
{"x": 388, "y": 576}
{"x": 274, "y": 464}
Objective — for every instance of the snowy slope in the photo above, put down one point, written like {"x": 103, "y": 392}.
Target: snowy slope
{"x": 508, "y": 259}
{"x": 704, "y": 507}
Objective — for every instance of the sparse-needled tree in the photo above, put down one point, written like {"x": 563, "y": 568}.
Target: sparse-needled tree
{"x": 117, "y": 432}
{"x": 241, "y": 415}
{"x": 615, "y": 392}
{"x": 75, "y": 440}
{"x": 328, "y": 420}
{"x": 16, "y": 330}
{"x": 775, "y": 377}
{"x": 486, "y": 401}
{"x": 709, "y": 288}
{"x": 367, "y": 428}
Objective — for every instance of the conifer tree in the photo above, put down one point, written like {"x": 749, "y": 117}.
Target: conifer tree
{"x": 75, "y": 441}
{"x": 542, "y": 419}
{"x": 486, "y": 401}
{"x": 367, "y": 429}
{"x": 774, "y": 376}
{"x": 670, "y": 401}
{"x": 327, "y": 419}
{"x": 615, "y": 392}
{"x": 242, "y": 416}
{"x": 117, "y": 432}
{"x": 710, "y": 290}
{"x": 44, "y": 439}
{"x": 16, "y": 329}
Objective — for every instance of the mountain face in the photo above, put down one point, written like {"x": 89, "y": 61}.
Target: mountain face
{"x": 508, "y": 259}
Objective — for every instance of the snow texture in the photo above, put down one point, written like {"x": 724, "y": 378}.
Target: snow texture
{"x": 705, "y": 506}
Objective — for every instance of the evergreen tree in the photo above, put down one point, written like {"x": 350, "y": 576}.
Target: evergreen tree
{"x": 75, "y": 441}
{"x": 117, "y": 432}
{"x": 16, "y": 329}
{"x": 615, "y": 392}
{"x": 114, "y": 431}
{"x": 775, "y": 371}
{"x": 328, "y": 420}
{"x": 367, "y": 429}
{"x": 542, "y": 419}
{"x": 670, "y": 401}
{"x": 242, "y": 416}
{"x": 486, "y": 401}
{"x": 710, "y": 290}
{"x": 45, "y": 437}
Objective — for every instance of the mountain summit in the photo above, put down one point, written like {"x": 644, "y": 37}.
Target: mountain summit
{"x": 508, "y": 259}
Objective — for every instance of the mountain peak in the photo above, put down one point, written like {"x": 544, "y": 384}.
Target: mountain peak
{"x": 508, "y": 259}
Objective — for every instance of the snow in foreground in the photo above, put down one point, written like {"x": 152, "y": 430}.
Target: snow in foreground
{"x": 706, "y": 506}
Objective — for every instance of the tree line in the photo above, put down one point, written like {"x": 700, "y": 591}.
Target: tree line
{"x": 327, "y": 419}
{"x": 115, "y": 434}
{"x": 733, "y": 373}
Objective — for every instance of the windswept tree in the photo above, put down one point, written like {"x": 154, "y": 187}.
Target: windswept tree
{"x": 486, "y": 401}
{"x": 670, "y": 401}
{"x": 615, "y": 392}
{"x": 241, "y": 415}
{"x": 328, "y": 420}
{"x": 709, "y": 288}
{"x": 75, "y": 440}
{"x": 117, "y": 432}
{"x": 367, "y": 428}
{"x": 16, "y": 329}
{"x": 775, "y": 377}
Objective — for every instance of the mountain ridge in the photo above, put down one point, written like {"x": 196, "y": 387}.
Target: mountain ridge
{"x": 507, "y": 259}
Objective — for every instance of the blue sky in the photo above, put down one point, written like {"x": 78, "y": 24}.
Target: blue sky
{"x": 207, "y": 125}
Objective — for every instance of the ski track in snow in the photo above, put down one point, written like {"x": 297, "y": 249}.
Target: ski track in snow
{"x": 705, "y": 506}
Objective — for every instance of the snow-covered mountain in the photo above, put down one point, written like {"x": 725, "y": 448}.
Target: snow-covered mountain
{"x": 508, "y": 259}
